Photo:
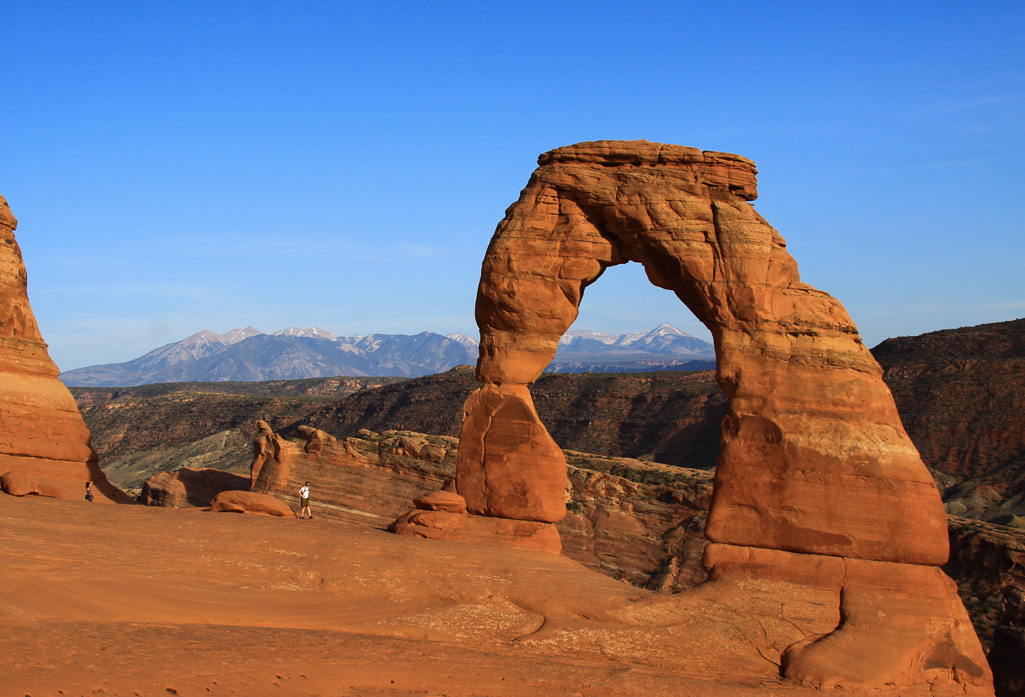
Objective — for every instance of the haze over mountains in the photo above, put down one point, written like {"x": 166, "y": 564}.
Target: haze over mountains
{"x": 244, "y": 355}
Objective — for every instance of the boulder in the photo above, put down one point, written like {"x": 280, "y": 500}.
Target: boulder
{"x": 17, "y": 483}
{"x": 441, "y": 501}
{"x": 189, "y": 487}
{"x": 250, "y": 502}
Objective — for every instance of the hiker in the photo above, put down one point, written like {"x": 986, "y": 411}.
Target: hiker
{"x": 304, "y": 500}
{"x": 89, "y": 492}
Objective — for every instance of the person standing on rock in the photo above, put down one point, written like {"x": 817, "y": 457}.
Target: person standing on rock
{"x": 304, "y": 500}
{"x": 89, "y": 492}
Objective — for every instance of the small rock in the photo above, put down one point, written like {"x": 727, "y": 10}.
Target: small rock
{"x": 441, "y": 501}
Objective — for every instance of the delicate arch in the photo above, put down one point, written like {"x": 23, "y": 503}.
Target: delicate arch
{"x": 813, "y": 456}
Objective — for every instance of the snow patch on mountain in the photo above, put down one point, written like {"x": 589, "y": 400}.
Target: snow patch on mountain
{"x": 464, "y": 339}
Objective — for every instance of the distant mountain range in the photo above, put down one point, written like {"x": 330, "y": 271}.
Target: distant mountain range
{"x": 663, "y": 348}
{"x": 246, "y": 355}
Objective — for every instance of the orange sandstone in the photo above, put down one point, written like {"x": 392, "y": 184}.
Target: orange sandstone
{"x": 817, "y": 482}
{"x": 42, "y": 434}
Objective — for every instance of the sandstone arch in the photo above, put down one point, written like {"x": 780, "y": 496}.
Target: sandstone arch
{"x": 817, "y": 480}
{"x": 814, "y": 457}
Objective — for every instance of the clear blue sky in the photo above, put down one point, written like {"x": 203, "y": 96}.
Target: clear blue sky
{"x": 186, "y": 166}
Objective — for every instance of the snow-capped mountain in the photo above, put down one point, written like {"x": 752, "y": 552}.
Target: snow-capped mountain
{"x": 664, "y": 347}
{"x": 293, "y": 353}
{"x": 312, "y": 332}
{"x": 237, "y": 335}
{"x": 663, "y": 339}
{"x": 578, "y": 335}
{"x": 464, "y": 339}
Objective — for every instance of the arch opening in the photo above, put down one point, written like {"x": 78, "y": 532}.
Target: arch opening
{"x": 653, "y": 334}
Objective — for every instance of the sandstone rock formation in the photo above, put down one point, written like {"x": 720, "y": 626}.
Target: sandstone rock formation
{"x": 41, "y": 431}
{"x": 817, "y": 479}
{"x": 18, "y": 483}
{"x": 1008, "y": 648}
{"x": 189, "y": 487}
{"x": 442, "y": 515}
{"x": 988, "y": 563}
{"x": 250, "y": 502}
{"x": 358, "y": 478}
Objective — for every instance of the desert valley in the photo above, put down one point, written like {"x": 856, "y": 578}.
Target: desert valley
{"x": 810, "y": 517}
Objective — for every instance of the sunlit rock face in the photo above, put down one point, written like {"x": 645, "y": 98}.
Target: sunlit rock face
{"x": 42, "y": 435}
{"x": 817, "y": 481}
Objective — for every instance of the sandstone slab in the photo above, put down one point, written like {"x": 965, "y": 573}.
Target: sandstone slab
{"x": 897, "y": 624}
{"x": 441, "y": 500}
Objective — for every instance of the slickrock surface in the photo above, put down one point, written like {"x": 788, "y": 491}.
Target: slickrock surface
{"x": 817, "y": 481}
{"x": 253, "y": 605}
{"x": 643, "y": 522}
{"x": 41, "y": 431}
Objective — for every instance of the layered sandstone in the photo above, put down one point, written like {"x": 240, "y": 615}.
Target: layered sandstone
{"x": 372, "y": 477}
{"x": 632, "y": 520}
{"x": 42, "y": 434}
{"x": 817, "y": 481}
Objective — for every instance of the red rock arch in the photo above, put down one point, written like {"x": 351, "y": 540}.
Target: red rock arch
{"x": 813, "y": 455}
{"x": 817, "y": 482}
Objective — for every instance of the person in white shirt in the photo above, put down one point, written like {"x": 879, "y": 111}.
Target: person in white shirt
{"x": 304, "y": 501}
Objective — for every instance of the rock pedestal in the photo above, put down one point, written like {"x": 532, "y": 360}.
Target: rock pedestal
{"x": 42, "y": 435}
{"x": 816, "y": 477}
{"x": 441, "y": 515}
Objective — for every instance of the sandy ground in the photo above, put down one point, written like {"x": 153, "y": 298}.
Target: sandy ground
{"x": 128, "y": 600}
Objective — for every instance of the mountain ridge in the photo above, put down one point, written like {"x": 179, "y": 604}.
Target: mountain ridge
{"x": 292, "y": 353}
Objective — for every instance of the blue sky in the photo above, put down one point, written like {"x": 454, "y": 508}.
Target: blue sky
{"x": 186, "y": 166}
